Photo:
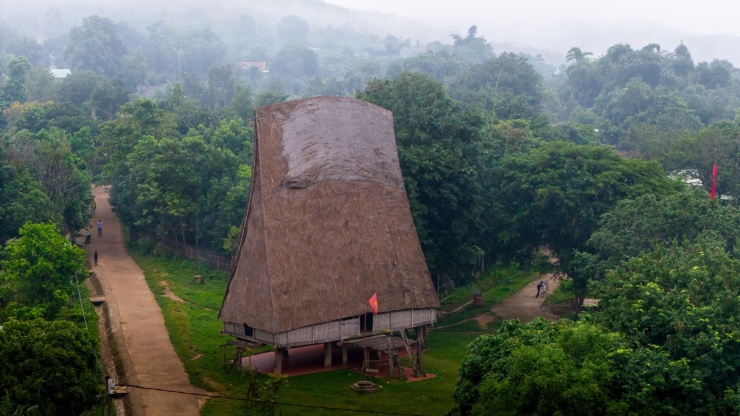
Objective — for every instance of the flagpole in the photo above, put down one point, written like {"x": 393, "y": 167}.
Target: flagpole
{"x": 714, "y": 181}
{"x": 365, "y": 356}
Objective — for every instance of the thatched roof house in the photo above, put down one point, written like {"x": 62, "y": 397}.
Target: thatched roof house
{"x": 328, "y": 224}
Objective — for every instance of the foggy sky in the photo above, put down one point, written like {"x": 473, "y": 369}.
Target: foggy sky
{"x": 592, "y": 25}
{"x": 706, "y": 16}
{"x": 548, "y": 27}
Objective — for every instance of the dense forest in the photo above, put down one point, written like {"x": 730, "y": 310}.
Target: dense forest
{"x": 501, "y": 153}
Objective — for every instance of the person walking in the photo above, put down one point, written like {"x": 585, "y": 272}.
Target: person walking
{"x": 539, "y": 287}
{"x": 100, "y": 228}
{"x": 95, "y": 257}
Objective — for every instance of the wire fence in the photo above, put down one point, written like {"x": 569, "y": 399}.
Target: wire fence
{"x": 198, "y": 254}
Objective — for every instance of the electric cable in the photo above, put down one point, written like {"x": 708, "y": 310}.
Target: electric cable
{"x": 215, "y": 396}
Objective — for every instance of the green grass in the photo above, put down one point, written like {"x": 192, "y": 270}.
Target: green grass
{"x": 194, "y": 328}
{"x": 195, "y": 333}
{"x": 499, "y": 290}
{"x": 426, "y": 397}
{"x": 563, "y": 293}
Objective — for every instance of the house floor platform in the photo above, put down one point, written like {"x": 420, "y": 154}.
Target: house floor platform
{"x": 310, "y": 359}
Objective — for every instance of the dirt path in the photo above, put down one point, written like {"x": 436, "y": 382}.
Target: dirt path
{"x": 136, "y": 318}
{"x": 524, "y": 304}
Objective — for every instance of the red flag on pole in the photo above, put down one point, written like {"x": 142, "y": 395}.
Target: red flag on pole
{"x": 374, "y": 303}
{"x": 714, "y": 181}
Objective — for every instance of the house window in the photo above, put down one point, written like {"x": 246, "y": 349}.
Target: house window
{"x": 366, "y": 322}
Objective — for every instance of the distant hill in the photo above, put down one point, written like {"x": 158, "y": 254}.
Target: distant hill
{"x": 43, "y": 19}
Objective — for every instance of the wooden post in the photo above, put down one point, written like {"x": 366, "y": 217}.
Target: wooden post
{"x": 327, "y": 354}
{"x": 365, "y": 361}
{"x": 390, "y": 358}
{"x": 278, "y": 368}
{"x": 419, "y": 349}
{"x": 345, "y": 359}
{"x": 420, "y": 333}
{"x": 412, "y": 359}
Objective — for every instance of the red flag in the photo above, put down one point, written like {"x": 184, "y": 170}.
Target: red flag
{"x": 714, "y": 181}
{"x": 374, "y": 303}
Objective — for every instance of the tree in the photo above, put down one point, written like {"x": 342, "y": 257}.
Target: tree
{"x": 636, "y": 226}
{"x": 719, "y": 142}
{"x": 15, "y": 89}
{"x": 42, "y": 268}
{"x": 678, "y": 304}
{"x": 292, "y": 30}
{"x": 437, "y": 146}
{"x": 203, "y": 49}
{"x": 439, "y": 65}
{"x": 273, "y": 94}
{"x": 60, "y": 175}
{"x": 165, "y": 184}
{"x": 107, "y": 97}
{"x": 471, "y": 48}
{"x": 41, "y": 85}
{"x": 95, "y": 46}
{"x": 22, "y": 200}
{"x": 506, "y": 85}
{"x": 559, "y": 190}
{"x": 79, "y": 86}
{"x": 540, "y": 368}
{"x": 556, "y": 193}
{"x": 221, "y": 86}
{"x": 118, "y": 138}
{"x": 295, "y": 62}
{"x": 682, "y": 62}
{"x": 49, "y": 365}
{"x": 575, "y": 54}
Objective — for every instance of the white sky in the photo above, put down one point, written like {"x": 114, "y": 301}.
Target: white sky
{"x": 592, "y": 25}
{"x": 697, "y": 16}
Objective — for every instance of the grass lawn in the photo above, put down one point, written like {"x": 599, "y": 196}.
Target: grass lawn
{"x": 195, "y": 332}
{"x": 499, "y": 290}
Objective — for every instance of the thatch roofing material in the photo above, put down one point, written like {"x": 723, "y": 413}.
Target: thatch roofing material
{"x": 328, "y": 222}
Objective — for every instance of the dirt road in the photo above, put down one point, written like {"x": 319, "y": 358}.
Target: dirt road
{"x": 524, "y": 304}
{"x": 135, "y": 318}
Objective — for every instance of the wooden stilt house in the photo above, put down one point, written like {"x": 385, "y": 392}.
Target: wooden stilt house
{"x": 327, "y": 226}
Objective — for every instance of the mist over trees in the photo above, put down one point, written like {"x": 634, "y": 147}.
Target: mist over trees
{"x": 501, "y": 153}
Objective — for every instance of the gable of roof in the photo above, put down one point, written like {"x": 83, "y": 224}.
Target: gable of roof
{"x": 328, "y": 222}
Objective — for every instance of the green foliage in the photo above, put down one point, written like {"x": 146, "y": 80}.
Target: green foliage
{"x": 715, "y": 143}
{"x": 471, "y": 48}
{"x": 295, "y": 63}
{"x": 42, "y": 269}
{"x": 48, "y": 365}
{"x": 42, "y": 181}
{"x": 558, "y": 191}
{"x": 637, "y": 226}
{"x": 191, "y": 189}
{"x": 677, "y": 308}
{"x": 508, "y": 86}
{"x": 95, "y": 46}
{"x": 539, "y": 368}
{"x": 23, "y": 200}
{"x": 14, "y": 89}
{"x": 437, "y": 143}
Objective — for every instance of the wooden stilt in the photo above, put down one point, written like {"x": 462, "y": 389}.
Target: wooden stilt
{"x": 401, "y": 373}
{"x": 419, "y": 349}
{"x": 345, "y": 359}
{"x": 420, "y": 334}
{"x": 412, "y": 358}
{"x": 327, "y": 354}
{"x": 278, "y": 368}
{"x": 390, "y": 358}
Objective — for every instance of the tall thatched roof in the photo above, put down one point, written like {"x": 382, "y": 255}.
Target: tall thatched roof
{"x": 328, "y": 222}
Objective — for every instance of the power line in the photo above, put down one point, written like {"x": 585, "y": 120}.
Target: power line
{"x": 216, "y": 396}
